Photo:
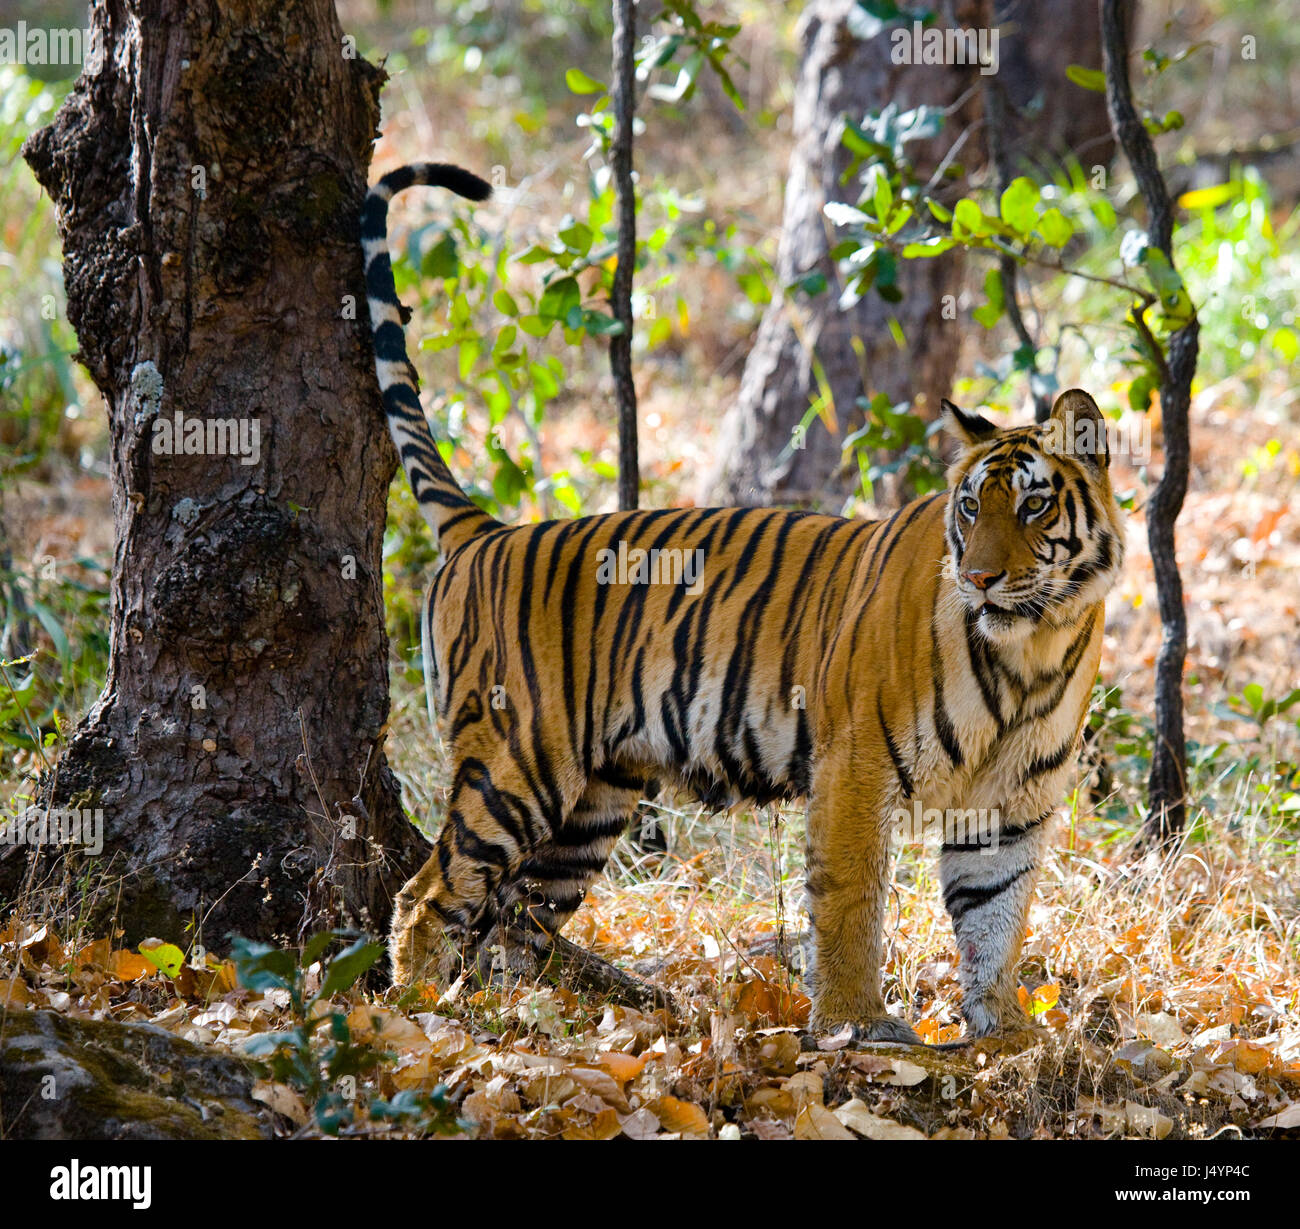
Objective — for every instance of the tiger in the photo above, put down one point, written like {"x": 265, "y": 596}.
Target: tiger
{"x": 941, "y": 658}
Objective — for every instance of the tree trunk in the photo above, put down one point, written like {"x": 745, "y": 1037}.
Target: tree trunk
{"x": 208, "y": 178}
{"x": 840, "y": 75}
{"x": 1167, "y": 783}
{"x": 620, "y": 345}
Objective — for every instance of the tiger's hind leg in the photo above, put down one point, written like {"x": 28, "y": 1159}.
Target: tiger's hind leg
{"x": 553, "y": 880}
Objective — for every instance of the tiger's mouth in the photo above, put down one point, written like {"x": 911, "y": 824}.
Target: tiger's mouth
{"x": 993, "y": 615}
{"x": 1002, "y": 617}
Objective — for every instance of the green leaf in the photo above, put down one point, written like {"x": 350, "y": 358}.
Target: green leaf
{"x": 579, "y": 83}
{"x": 165, "y": 956}
{"x": 941, "y": 212}
{"x": 1019, "y": 205}
{"x": 899, "y": 218}
{"x": 1209, "y": 198}
{"x": 1055, "y": 228}
{"x": 1139, "y": 392}
{"x": 1285, "y": 344}
{"x": 535, "y": 255}
{"x": 1174, "y": 299}
{"x": 930, "y": 247}
{"x": 259, "y": 966}
{"x": 545, "y": 385}
{"x": 967, "y": 219}
{"x": 441, "y": 260}
{"x": 1089, "y": 78}
{"x": 882, "y": 194}
{"x": 466, "y": 357}
{"x": 812, "y": 283}
{"x": 991, "y": 312}
{"x": 348, "y": 965}
{"x": 504, "y": 303}
{"x": 599, "y": 324}
{"x": 577, "y": 238}
{"x": 315, "y": 947}
{"x": 558, "y": 298}
{"x": 51, "y": 625}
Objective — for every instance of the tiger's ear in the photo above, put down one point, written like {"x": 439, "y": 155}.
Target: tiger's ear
{"x": 970, "y": 429}
{"x": 1081, "y": 430}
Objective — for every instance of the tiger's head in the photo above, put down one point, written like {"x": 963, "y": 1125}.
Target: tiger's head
{"x": 1034, "y": 534}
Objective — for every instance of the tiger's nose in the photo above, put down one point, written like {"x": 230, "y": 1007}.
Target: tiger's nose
{"x": 982, "y": 580}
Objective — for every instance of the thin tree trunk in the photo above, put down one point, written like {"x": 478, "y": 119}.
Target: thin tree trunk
{"x": 620, "y": 345}
{"x": 1167, "y": 784}
{"x": 1043, "y": 115}
{"x": 208, "y": 180}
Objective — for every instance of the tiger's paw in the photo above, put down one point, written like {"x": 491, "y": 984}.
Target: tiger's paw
{"x": 997, "y": 1025}
{"x": 851, "y": 1033}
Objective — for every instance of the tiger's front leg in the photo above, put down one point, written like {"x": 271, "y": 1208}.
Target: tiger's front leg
{"x": 848, "y": 881}
{"x": 987, "y": 891}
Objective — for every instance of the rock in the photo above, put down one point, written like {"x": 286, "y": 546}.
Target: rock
{"x": 67, "y": 1078}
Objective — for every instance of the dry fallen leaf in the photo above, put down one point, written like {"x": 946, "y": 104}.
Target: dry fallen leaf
{"x": 129, "y": 966}
{"x": 282, "y": 1099}
{"x": 604, "y": 1125}
{"x": 640, "y": 1124}
{"x": 1289, "y": 1117}
{"x": 680, "y": 1117}
{"x": 779, "y": 1054}
{"x": 854, "y": 1114}
{"x": 622, "y": 1067}
{"x": 815, "y": 1121}
{"x": 14, "y": 993}
{"x": 904, "y": 1073}
{"x": 1162, "y": 1028}
{"x": 804, "y": 1088}
{"x": 1146, "y": 1120}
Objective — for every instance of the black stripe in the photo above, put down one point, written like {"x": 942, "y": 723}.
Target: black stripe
{"x": 943, "y": 726}
{"x": 1048, "y": 763}
{"x": 904, "y": 776}
{"x": 960, "y": 901}
{"x": 1005, "y": 837}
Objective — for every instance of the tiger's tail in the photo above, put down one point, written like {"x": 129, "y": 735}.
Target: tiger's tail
{"x": 451, "y": 514}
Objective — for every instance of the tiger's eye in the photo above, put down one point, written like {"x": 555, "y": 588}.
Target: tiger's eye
{"x": 1035, "y": 503}
{"x": 969, "y": 507}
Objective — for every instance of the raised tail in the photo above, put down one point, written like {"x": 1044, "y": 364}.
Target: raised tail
{"x": 451, "y": 514}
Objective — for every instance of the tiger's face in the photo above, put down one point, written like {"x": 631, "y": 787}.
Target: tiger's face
{"x": 1034, "y": 533}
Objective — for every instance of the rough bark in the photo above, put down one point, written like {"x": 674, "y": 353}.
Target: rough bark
{"x": 1167, "y": 783}
{"x": 208, "y": 180}
{"x": 1044, "y": 116}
